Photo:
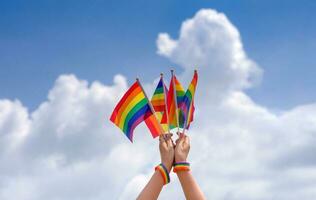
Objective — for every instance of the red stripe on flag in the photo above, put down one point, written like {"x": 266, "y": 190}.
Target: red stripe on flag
{"x": 123, "y": 100}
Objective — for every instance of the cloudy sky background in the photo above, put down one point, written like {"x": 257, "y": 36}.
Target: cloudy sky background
{"x": 64, "y": 66}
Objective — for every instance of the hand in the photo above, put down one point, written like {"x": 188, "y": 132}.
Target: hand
{"x": 166, "y": 148}
{"x": 182, "y": 148}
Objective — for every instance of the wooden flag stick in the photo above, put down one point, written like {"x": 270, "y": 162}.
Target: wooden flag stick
{"x": 150, "y": 106}
{"x": 165, "y": 97}
{"x": 175, "y": 96}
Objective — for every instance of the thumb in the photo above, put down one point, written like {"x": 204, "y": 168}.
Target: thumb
{"x": 162, "y": 141}
{"x": 187, "y": 139}
{"x": 181, "y": 140}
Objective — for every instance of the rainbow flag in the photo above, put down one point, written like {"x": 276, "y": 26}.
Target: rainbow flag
{"x": 158, "y": 101}
{"x": 180, "y": 94}
{"x": 179, "y": 91}
{"x": 171, "y": 106}
{"x": 187, "y": 106}
{"x": 158, "y": 98}
{"x": 132, "y": 109}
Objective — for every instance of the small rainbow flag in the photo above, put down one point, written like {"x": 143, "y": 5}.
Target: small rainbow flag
{"x": 180, "y": 94}
{"x": 187, "y": 105}
{"x": 132, "y": 109}
{"x": 158, "y": 101}
{"x": 171, "y": 105}
{"x": 179, "y": 91}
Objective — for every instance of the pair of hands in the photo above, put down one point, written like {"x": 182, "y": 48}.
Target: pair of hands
{"x": 173, "y": 152}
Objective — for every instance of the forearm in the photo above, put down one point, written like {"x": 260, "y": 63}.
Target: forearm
{"x": 153, "y": 187}
{"x": 189, "y": 186}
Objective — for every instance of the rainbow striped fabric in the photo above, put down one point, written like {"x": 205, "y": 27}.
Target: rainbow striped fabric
{"x": 180, "y": 94}
{"x": 158, "y": 99}
{"x": 171, "y": 106}
{"x": 179, "y": 91}
{"x": 132, "y": 109}
{"x": 187, "y": 105}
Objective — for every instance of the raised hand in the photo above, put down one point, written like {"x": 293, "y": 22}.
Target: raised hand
{"x": 155, "y": 184}
{"x": 166, "y": 148}
{"x": 189, "y": 186}
{"x": 182, "y": 148}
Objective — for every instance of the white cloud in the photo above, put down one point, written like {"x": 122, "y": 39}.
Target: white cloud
{"x": 74, "y": 119}
{"x": 68, "y": 149}
{"x": 14, "y": 124}
{"x": 209, "y": 42}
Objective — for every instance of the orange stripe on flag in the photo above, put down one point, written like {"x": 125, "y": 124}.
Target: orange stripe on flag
{"x": 125, "y": 104}
{"x": 153, "y": 126}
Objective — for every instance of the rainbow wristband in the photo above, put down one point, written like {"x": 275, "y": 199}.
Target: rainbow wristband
{"x": 164, "y": 173}
{"x": 181, "y": 166}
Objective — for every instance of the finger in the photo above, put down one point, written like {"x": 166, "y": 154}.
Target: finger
{"x": 169, "y": 142}
{"x": 162, "y": 141}
{"x": 177, "y": 141}
{"x": 163, "y": 146}
{"x": 161, "y": 138}
{"x": 181, "y": 141}
{"x": 187, "y": 139}
{"x": 168, "y": 139}
{"x": 168, "y": 136}
{"x": 179, "y": 137}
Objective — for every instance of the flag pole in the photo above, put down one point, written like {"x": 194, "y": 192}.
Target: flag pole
{"x": 175, "y": 95}
{"x": 150, "y": 105}
{"x": 165, "y": 98}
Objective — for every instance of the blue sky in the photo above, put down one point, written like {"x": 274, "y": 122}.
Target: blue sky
{"x": 260, "y": 147}
{"x": 98, "y": 39}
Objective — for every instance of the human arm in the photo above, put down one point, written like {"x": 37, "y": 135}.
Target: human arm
{"x": 190, "y": 187}
{"x": 155, "y": 184}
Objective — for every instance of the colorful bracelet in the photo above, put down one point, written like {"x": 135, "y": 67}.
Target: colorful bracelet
{"x": 181, "y": 166}
{"x": 164, "y": 173}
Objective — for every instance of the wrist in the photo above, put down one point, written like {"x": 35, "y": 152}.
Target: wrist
{"x": 163, "y": 172}
{"x": 181, "y": 167}
{"x": 180, "y": 160}
{"x": 168, "y": 165}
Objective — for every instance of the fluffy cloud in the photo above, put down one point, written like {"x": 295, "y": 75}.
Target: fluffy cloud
{"x": 72, "y": 121}
{"x": 68, "y": 149}
{"x": 14, "y": 124}
{"x": 209, "y": 42}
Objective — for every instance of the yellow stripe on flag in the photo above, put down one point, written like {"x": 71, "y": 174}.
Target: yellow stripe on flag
{"x": 130, "y": 106}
